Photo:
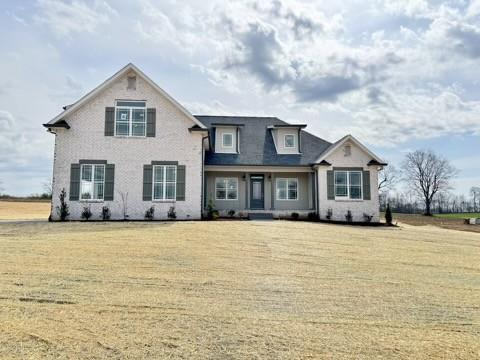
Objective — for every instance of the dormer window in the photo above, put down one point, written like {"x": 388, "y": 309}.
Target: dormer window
{"x": 289, "y": 141}
{"x": 227, "y": 140}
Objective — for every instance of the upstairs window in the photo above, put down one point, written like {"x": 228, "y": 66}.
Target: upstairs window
{"x": 289, "y": 141}
{"x": 164, "y": 182}
{"x": 92, "y": 181}
{"x": 227, "y": 140}
{"x": 130, "y": 118}
{"x": 348, "y": 185}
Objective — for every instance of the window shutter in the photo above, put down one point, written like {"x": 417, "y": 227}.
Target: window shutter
{"x": 147, "y": 182}
{"x": 366, "y": 185}
{"x": 330, "y": 185}
{"x": 181, "y": 183}
{"x": 151, "y": 122}
{"x": 109, "y": 121}
{"x": 74, "y": 182}
{"x": 109, "y": 182}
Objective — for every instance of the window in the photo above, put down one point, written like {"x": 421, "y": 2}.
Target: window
{"x": 226, "y": 188}
{"x": 164, "y": 182}
{"x": 289, "y": 141}
{"x": 287, "y": 189}
{"x": 92, "y": 182}
{"x": 348, "y": 184}
{"x": 227, "y": 140}
{"x": 130, "y": 118}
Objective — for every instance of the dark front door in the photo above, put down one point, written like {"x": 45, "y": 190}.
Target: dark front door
{"x": 256, "y": 192}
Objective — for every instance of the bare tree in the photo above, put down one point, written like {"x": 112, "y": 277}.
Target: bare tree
{"x": 427, "y": 174}
{"x": 388, "y": 177}
{"x": 47, "y": 187}
{"x": 2, "y": 189}
{"x": 475, "y": 192}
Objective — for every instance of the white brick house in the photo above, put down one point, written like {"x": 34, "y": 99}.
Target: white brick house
{"x": 127, "y": 145}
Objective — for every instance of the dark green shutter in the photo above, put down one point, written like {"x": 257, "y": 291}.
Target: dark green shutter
{"x": 109, "y": 121}
{"x": 147, "y": 182}
{"x": 74, "y": 182}
{"x": 151, "y": 122}
{"x": 109, "y": 182}
{"x": 181, "y": 183}
{"x": 330, "y": 185}
{"x": 366, "y": 185}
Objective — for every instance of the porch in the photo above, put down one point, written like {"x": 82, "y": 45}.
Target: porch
{"x": 259, "y": 190}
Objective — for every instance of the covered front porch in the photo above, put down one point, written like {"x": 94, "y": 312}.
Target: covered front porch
{"x": 279, "y": 191}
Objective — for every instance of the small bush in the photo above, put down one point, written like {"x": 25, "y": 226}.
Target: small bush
{"x": 105, "y": 213}
{"x": 231, "y": 213}
{"x": 295, "y": 215}
{"x": 62, "y": 210}
{"x": 312, "y": 216}
{"x": 348, "y": 216}
{"x": 149, "y": 214}
{"x": 211, "y": 211}
{"x": 388, "y": 215}
{"x": 171, "y": 213}
{"x": 367, "y": 218}
{"x": 329, "y": 214}
{"x": 86, "y": 213}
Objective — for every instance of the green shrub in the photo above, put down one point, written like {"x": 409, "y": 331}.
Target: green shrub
{"x": 62, "y": 210}
{"x": 388, "y": 215}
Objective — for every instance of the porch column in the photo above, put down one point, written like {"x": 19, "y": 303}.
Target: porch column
{"x": 247, "y": 189}
{"x": 272, "y": 191}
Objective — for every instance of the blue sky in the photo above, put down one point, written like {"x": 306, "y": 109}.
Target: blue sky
{"x": 398, "y": 75}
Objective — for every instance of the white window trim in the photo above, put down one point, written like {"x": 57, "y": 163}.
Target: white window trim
{"x": 165, "y": 182}
{"x": 226, "y": 180}
{"x": 285, "y": 141}
{"x": 347, "y": 197}
{"x": 93, "y": 183}
{"x": 223, "y": 140}
{"x": 287, "y": 180}
{"x": 130, "y": 121}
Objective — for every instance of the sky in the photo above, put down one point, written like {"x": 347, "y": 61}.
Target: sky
{"x": 397, "y": 75}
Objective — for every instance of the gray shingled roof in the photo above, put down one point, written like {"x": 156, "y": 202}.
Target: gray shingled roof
{"x": 256, "y": 143}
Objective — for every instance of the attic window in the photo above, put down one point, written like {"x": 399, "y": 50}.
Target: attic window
{"x": 289, "y": 141}
{"x": 132, "y": 82}
{"x": 347, "y": 150}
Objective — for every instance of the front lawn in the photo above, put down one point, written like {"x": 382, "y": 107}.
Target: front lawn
{"x": 237, "y": 290}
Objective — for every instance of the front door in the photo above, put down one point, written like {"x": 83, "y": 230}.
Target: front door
{"x": 256, "y": 192}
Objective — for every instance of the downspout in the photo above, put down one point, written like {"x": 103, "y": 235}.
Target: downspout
{"x": 317, "y": 207}
{"x": 202, "y": 191}
{"x": 53, "y": 171}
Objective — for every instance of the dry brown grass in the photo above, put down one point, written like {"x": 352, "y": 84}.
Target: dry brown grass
{"x": 24, "y": 210}
{"x": 230, "y": 290}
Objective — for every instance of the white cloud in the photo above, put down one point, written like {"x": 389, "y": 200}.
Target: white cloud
{"x": 77, "y": 16}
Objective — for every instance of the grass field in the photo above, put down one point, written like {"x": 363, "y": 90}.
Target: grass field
{"x": 230, "y": 290}
{"x": 458, "y": 215}
{"x": 24, "y": 210}
{"x": 446, "y": 222}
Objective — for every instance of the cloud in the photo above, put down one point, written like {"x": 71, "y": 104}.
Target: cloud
{"x": 75, "y": 17}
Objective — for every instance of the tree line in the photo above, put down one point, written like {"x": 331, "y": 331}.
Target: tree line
{"x": 427, "y": 179}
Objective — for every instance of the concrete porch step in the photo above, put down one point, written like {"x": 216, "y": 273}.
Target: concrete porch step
{"x": 260, "y": 216}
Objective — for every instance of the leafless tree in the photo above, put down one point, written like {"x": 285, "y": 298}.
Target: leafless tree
{"x": 2, "y": 189}
{"x": 475, "y": 192}
{"x": 427, "y": 174}
{"x": 388, "y": 178}
{"x": 47, "y": 187}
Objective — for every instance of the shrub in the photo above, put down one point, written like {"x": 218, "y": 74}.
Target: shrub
{"x": 211, "y": 210}
{"x": 86, "y": 213}
{"x": 295, "y": 215}
{"x": 388, "y": 215}
{"x": 312, "y": 216}
{"x": 367, "y": 218}
{"x": 62, "y": 210}
{"x": 348, "y": 216}
{"x": 171, "y": 213}
{"x": 215, "y": 215}
{"x": 231, "y": 213}
{"x": 329, "y": 214}
{"x": 149, "y": 214}
{"x": 105, "y": 213}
